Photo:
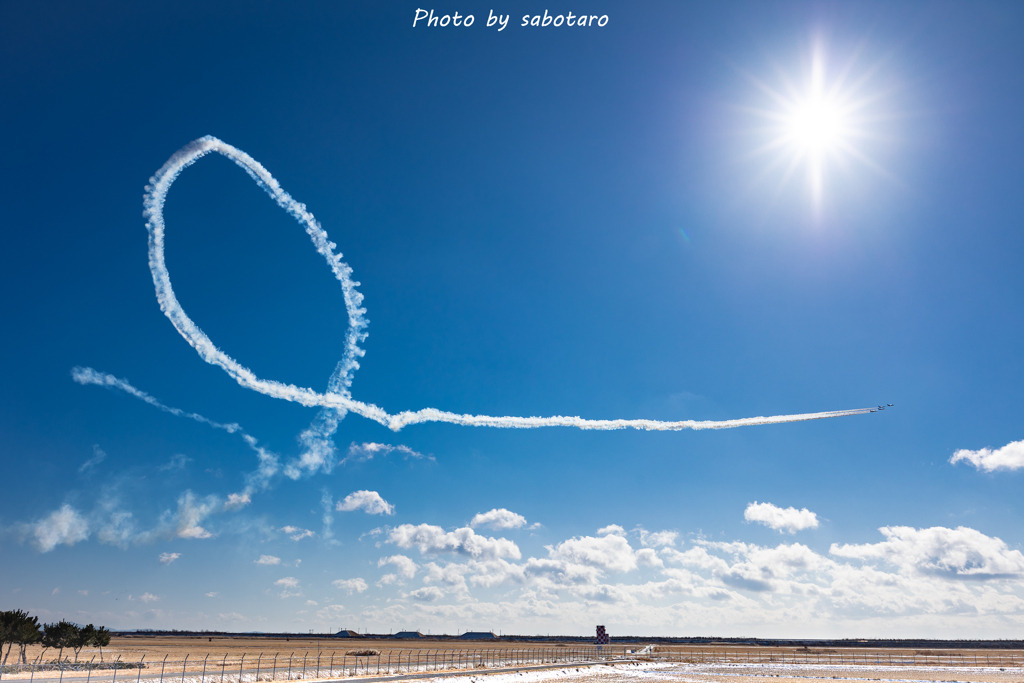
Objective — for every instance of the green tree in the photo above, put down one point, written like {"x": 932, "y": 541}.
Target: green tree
{"x": 17, "y": 627}
{"x": 59, "y": 636}
{"x": 7, "y": 621}
{"x": 80, "y": 637}
{"x": 100, "y": 639}
{"x": 28, "y": 634}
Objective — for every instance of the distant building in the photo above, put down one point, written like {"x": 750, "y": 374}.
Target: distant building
{"x": 408, "y": 634}
{"x": 346, "y": 633}
{"x": 602, "y": 636}
{"x": 478, "y": 635}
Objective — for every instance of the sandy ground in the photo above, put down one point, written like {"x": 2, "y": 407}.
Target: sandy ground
{"x": 767, "y": 673}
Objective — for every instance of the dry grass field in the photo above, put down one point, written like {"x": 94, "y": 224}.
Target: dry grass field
{"x": 175, "y": 647}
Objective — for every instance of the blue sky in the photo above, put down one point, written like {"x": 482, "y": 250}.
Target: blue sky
{"x": 615, "y": 222}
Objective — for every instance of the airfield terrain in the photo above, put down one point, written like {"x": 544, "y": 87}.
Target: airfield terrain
{"x": 215, "y": 658}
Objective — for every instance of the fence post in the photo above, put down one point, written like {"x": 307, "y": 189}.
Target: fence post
{"x": 290, "y": 665}
{"x": 183, "y": 665}
{"x": 318, "y": 663}
{"x": 223, "y": 665}
{"x": 304, "y": 655}
{"x": 162, "y": 667}
{"x": 203, "y": 679}
{"x": 241, "y": 663}
{"x": 273, "y": 676}
{"x": 139, "y": 677}
{"x": 258, "y": 661}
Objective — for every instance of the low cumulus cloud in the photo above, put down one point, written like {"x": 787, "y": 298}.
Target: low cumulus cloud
{"x": 297, "y": 533}
{"x": 287, "y": 582}
{"x": 192, "y": 511}
{"x": 657, "y": 539}
{"x": 268, "y": 559}
{"x": 962, "y": 553}
{"x": 788, "y": 520}
{"x": 926, "y": 577}
{"x": 1009, "y": 457}
{"x": 167, "y": 558}
{"x": 368, "y": 451}
{"x": 369, "y": 502}
{"x": 405, "y": 569}
{"x": 350, "y": 586}
{"x": 498, "y": 519}
{"x": 62, "y": 526}
{"x": 433, "y": 540}
{"x": 610, "y": 551}
{"x": 426, "y": 594}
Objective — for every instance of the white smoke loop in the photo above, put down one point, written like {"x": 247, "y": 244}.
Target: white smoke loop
{"x": 338, "y": 399}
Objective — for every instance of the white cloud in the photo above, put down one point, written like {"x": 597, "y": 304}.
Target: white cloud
{"x": 312, "y": 603}
{"x": 212, "y": 594}
{"x": 368, "y": 501}
{"x": 268, "y": 559}
{"x": 83, "y": 592}
{"x": 611, "y": 530}
{"x": 287, "y": 582}
{"x": 782, "y": 520}
{"x": 406, "y": 569}
{"x": 960, "y": 553}
{"x": 611, "y": 551}
{"x": 148, "y": 597}
{"x": 330, "y": 612}
{"x": 657, "y": 539}
{"x": 167, "y": 558}
{"x": 1009, "y": 457}
{"x": 237, "y": 501}
{"x": 191, "y": 512}
{"x": 119, "y": 529}
{"x": 648, "y": 557}
{"x": 177, "y": 462}
{"x": 296, "y": 533}
{"x": 432, "y": 540}
{"x": 356, "y": 585}
{"x": 367, "y": 451}
{"x": 498, "y": 519}
{"x": 55, "y": 591}
{"x": 98, "y": 456}
{"x": 426, "y": 594}
{"x": 64, "y": 525}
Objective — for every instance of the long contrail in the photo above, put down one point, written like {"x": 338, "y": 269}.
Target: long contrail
{"x": 338, "y": 399}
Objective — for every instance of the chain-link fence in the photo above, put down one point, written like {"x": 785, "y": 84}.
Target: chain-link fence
{"x": 323, "y": 665}
{"x": 838, "y": 657}
{"x": 309, "y": 665}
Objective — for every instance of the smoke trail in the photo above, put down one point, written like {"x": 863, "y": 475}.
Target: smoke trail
{"x": 90, "y": 376}
{"x": 338, "y": 399}
{"x": 254, "y": 481}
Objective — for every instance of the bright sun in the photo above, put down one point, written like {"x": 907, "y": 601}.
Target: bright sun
{"x": 816, "y": 124}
